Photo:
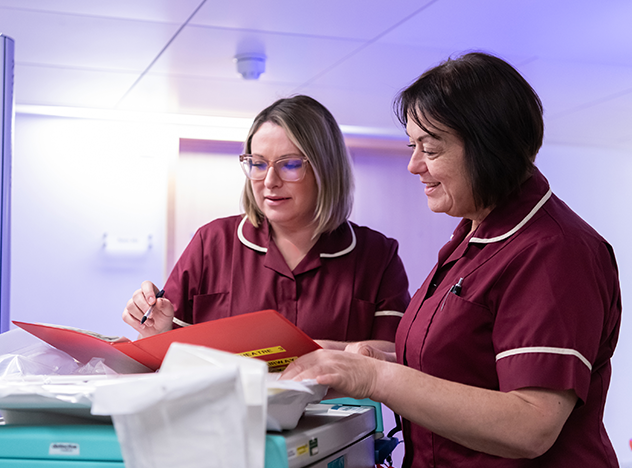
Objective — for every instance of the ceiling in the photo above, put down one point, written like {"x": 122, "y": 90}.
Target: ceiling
{"x": 177, "y": 56}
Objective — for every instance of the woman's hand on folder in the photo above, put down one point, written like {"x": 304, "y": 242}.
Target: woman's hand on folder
{"x": 349, "y": 374}
{"x": 161, "y": 318}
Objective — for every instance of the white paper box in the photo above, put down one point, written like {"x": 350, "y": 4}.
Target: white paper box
{"x": 253, "y": 374}
{"x": 187, "y": 419}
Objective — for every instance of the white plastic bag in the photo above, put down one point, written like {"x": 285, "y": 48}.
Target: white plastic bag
{"x": 49, "y": 399}
{"x": 253, "y": 374}
{"x": 42, "y": 385}
{"x": 185, "y": 419}
{"x": 23, "y": 354}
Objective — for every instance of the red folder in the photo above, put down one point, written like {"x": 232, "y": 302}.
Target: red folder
{"x": 265, "y": 335}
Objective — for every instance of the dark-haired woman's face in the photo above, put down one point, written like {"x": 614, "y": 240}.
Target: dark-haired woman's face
{"x": 439, "y": 161}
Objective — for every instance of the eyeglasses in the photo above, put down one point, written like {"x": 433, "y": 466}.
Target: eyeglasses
{"x": 289, "y": 169}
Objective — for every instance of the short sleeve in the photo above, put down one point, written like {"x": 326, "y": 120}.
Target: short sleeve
{"x": 392, "y": 298}
{"x": 552, "y": 305}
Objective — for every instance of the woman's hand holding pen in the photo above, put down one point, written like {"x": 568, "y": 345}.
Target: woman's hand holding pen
{"x": 162, "y": 312}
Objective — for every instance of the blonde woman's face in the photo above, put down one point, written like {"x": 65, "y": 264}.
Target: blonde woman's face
{"x": 286, "y": 205}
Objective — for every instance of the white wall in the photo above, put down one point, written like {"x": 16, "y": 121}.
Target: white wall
{"x": 75, "y": 180}
{"x": 391, "y": 200}
{"x": 595, "y": 182}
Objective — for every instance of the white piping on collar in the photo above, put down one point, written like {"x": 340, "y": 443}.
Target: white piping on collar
{"x": 246, "y": 242}
{"x": 535, "y": 209}
{"x": 258, "y": 248}
{"x": 388, "y": 313}
{"x": 345, "y": 251}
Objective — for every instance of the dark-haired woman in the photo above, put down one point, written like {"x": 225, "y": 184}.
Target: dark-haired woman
{"x": 503, "y": 355}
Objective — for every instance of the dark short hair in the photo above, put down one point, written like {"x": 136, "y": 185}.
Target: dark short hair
{"x": 494, "y": 111}
{"x": 312, "y": 128}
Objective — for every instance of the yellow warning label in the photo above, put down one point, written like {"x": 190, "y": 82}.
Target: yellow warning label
{"x": 263, "y": 352}
{"x": 281, "y": 362}
{"x": 302, "y": 450}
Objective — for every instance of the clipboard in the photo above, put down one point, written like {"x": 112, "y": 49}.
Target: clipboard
{"x": 265, "y": 335}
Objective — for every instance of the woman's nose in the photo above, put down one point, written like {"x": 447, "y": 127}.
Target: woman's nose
{"x": 272, "y": 179}
{"x": 417, "y": 164}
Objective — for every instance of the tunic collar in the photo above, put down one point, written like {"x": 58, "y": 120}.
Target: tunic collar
{"x": 508, "y": 218}
{"x": 500, "y": 224}
{"x": 336, "y": 244}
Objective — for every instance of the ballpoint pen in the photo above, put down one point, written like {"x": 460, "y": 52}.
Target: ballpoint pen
{"x": 146, "y": 315}
{"x": 456, "y": 289}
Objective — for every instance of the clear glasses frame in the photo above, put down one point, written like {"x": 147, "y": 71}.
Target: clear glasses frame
{"x": 288, "y": 169}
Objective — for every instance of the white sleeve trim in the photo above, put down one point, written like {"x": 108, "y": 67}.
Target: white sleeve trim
{"x": 545, "y": 349}
{"x": 389, "y": 313}
{"x": 177, "y": 321}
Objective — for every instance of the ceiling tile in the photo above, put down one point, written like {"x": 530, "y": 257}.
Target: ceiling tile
{"x": 571, "y": 29}
{"x": 204, "y": 96}
{"x": 210, "y": 52}
{"x": 378, "y": 68}
{"x": 84, "y": 42}
{"x": 325, "y": 18}
{"x": 145, "y": 10}
{"x": 564, "y": 86}
{"x": 68, "y": 87}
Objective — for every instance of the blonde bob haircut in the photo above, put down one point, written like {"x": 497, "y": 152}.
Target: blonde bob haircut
{"x": 315, "y": 132}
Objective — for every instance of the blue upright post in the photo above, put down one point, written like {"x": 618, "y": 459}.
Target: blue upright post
{"x": 6, "y": 147}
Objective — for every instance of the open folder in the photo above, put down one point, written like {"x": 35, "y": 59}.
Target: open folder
{"x": 265, "y": 335}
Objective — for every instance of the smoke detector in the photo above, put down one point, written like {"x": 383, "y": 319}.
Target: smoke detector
{"x": 250, "y": 66}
